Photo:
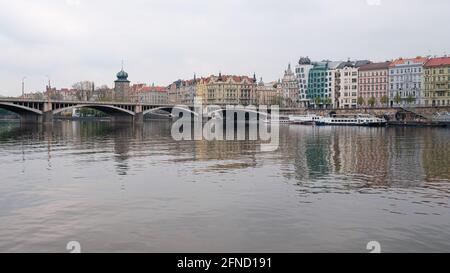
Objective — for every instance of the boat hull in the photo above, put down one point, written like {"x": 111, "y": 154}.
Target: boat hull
{"x": 371, "y": 124}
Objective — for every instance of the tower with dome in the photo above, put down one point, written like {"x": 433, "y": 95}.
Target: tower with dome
{"x": 122, "y": 86}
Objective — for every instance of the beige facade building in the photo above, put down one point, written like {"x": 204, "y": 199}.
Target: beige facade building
{"x": 218, "y": 90}
{"x": 149, "y": 94}
{"x": 348, "y": 87}
{"x": 290, "y": 88}
{"x": 201, "y": 92}
{"x": 268, "y": 94}
{"x": 230, "y": 89}
{"x": 182, "y": 92}
{"x": 348, "y": 83}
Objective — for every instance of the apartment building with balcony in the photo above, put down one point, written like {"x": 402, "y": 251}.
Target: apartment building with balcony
{"x": 406, "y": 81}
{"x": 437, "y": 82}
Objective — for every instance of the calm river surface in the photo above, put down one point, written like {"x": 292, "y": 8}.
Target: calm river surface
{"x": 125, "y": 188}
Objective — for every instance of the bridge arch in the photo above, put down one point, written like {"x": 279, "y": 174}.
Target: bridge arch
{"x": 332, "y": 113}
{"x": 107, "y": 109}
{"x": 19, "y": 109}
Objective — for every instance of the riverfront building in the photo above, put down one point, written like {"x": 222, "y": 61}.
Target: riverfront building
{"x": 348, "y": 83}
{"x": 182, "y": 91}
{"x": 220, "y": 90}
{"x": 318, "y": 91}
{"x": 406, "y": 81}
{"x": 268, "y": 93}
{"x": 230, "y": 89}
{"x": 201, "y": 91}
{"x": 437, "y": 81}
{"x": 302, "y": 75}
{"x": 373, "y": 83}
{"x": 290, "y": 88}
{"x": 149, "y": 94}
{"x": 324, "y": 84}
{"x": 333, "y": 84}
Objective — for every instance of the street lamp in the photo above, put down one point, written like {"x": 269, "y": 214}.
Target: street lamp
{"x": 48, "y": 90}
{"x": 49, "y": 84}
{"x": 23, "y": 86}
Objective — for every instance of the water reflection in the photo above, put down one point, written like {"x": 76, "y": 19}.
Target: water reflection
{"x": 324, "y": 189}
{"x": 400, "y": 157}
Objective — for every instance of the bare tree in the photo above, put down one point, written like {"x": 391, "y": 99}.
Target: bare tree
{"x": 103, "y": 93}
{"x": 85, "y": 90}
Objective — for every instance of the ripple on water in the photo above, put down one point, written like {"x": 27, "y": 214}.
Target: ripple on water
{"x": 133, "y": 188}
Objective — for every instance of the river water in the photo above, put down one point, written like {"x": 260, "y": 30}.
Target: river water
{"x": 125, "y": 188}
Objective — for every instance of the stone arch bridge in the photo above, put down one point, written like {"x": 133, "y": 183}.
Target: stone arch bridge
{"x": 44, "y": 110}
{"x": 36, "y": 111}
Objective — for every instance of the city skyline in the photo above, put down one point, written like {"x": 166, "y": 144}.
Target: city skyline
{"x": 74, "y": 40}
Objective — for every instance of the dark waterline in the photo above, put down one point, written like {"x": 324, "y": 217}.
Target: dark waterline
{"x": 118, "y": 188}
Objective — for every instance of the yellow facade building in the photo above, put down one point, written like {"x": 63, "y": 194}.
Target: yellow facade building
{"x": 437, "y": 82}
{"x": 214, "y": 90}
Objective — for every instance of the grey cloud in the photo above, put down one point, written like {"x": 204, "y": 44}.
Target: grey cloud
{"x": 162, "y": 41}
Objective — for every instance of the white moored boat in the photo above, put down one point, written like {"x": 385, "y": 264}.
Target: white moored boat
{"x": 352, "y": 120}
{"x": 304, "y": 119}
{"x": 280, "y": 120}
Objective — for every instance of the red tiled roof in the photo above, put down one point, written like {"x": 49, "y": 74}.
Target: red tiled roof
{"x": 144, "y": 88}
{"x": 403, "y": 61}
{"x": 160, "y": 89}
{"x": 232, "y": 77}
{"x": 434, "y": 62}
{"x": 209, "y": 79}
{"x": 375, "y": 66}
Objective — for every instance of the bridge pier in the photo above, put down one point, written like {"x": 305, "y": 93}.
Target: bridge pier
{"x": 139, "y": 118}
{"x": 30, "y": 118}
{"x": 47, "y": 117}
{"x": 121, "y": 118}
{"x": 47, "y": 113}
{"x": 138, "y": 114}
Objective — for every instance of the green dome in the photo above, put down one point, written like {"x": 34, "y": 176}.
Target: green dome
{"x": 122, "y": 75}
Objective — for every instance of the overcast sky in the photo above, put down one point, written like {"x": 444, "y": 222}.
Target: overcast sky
{"x": 164, "y": 40}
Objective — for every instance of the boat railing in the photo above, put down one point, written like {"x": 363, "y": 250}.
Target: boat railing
{"x": 352, "y": 116}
